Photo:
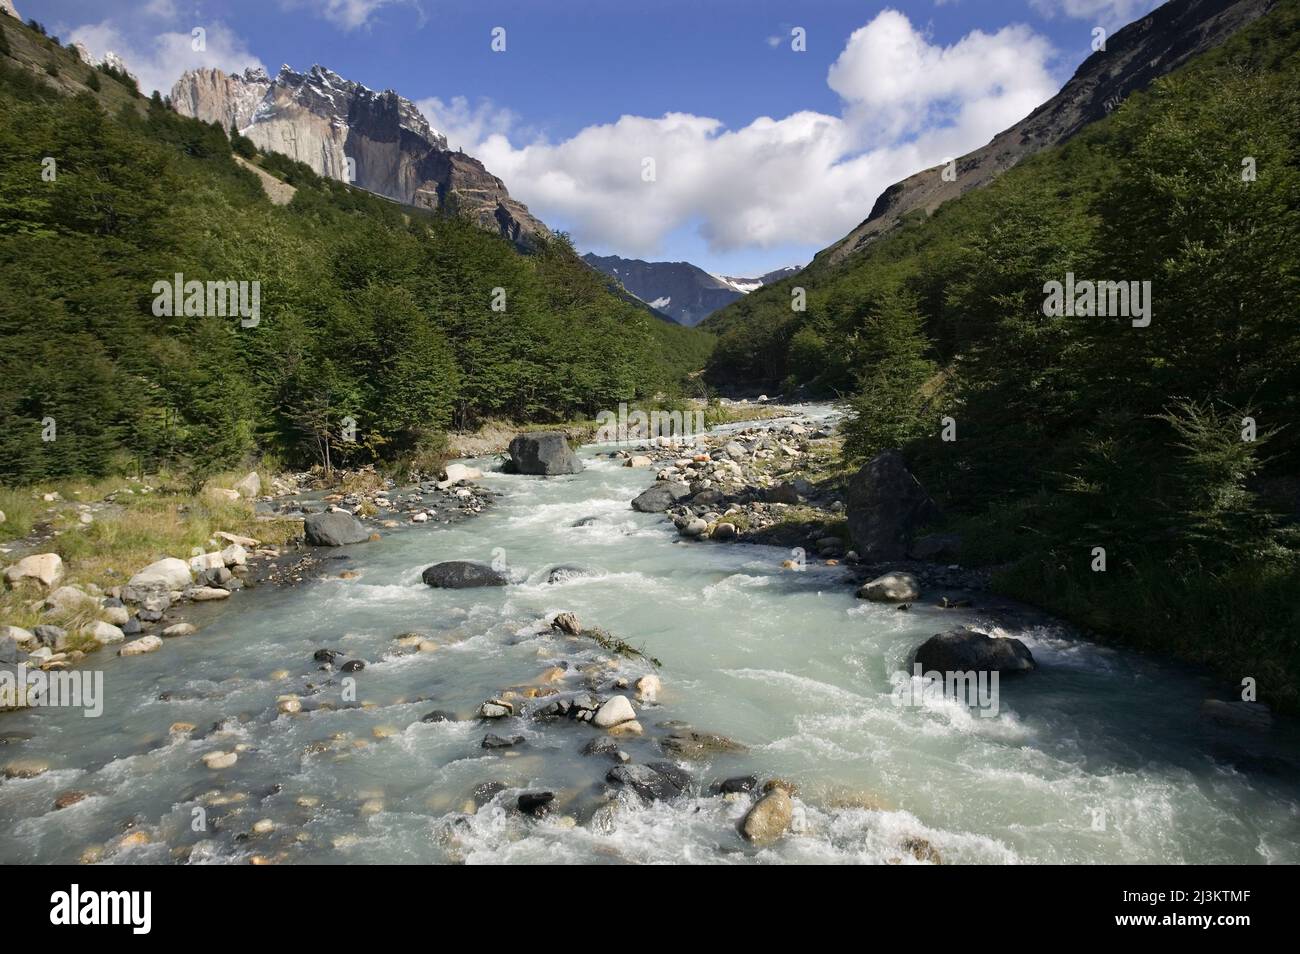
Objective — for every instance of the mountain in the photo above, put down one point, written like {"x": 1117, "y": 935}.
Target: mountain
{"x": 341, "y": 129}
{"x": 685, "y": 292}
{"x": 1134, "y": 56}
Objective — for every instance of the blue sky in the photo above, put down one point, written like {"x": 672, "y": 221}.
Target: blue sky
{"x": 763, "y": 155}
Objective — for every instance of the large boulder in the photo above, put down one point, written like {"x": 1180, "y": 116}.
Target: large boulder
{"x": 462, "y": 574}
{"x": 168, "y": 573}
{"x": 965, "y": 650}
{"x": 458, "y": 473}
{"x": 886, "y": 504}
{"x": 660, "y": 497}
{"x": 44, "y": 568}
{"x": 334, "y": 529}
{"x": 545, "y": 452}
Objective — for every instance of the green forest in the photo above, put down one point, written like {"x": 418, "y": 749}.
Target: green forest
{"x": 1174, "y": 447}
{"x": 369, "y": 310}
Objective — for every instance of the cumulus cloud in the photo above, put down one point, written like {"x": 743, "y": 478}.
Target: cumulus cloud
{"x": 348, "y": 14}
{"x": 159, "y": 61}
{"x": 806, "y": 178}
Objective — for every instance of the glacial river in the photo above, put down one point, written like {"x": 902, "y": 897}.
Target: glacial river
{"x": 1099, "y": 756}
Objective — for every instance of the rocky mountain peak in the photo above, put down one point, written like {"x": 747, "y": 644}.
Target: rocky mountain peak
{"x": 343, "y": 129}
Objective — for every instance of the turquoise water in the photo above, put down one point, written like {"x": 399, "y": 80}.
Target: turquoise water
{"x": 1100, "y": 756}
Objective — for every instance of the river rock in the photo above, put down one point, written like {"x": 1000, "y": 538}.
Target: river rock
{"x": 886, "y": 505}
{"x": 48, "y": 635}
{"x": 44, "y": 568}
{"x": 168, "y": 573}
{"x": 658, "y": 782}
{"x": 647, "y": 688}
{"x": 638, "y": 461}
{"x": 495, "y": 709}
{"x": 891, "y": 588}
{"x": 462, "y": 574}
{"x": 965, "y": 650}
{"x": 660, "y": 497}
{"x": 220, "y": 760}
{"x": 783, "y": 493}
{"x": 536, "y": 804}
{"x": 693, "y": 527}
{"x": 494, "y": 741}
{"x": 70, "y": 599}
{"x": 334, "y": 529}
{"x": 104, "y": 633}
{"x": 693, "y": 744}
{"x": 613, "y": 711}
{"x": 723, "y": 531}
{"x": 180, "y": 629}
{"x": 138, "y": 647}
{"x": 768, "y": 820}
{"x": 119, "y": 616}
{"x": 202, "y": 594}
{"x": 438, "y": 715}
{"x": 561, "y": 574}
{"x": 23, "y": 638}
{"x": 545, "y": 453}
{"x": 234, "y": 555}
{"x": 567, "y": 623}
{"x": 26, "y": 768}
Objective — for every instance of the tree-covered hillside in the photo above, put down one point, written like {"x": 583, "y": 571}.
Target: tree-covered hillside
{"x": 1175, "y": 447}
{"x": 404, "y": 322}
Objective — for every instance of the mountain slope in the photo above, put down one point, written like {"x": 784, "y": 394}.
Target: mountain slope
{"x": 365, "y": 309}
{"x": 1134, "y": 56}
{"x": 681, "y": 290}
{"x": 344, "y": 130}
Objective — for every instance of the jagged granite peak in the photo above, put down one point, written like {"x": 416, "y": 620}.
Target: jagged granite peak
{"x": 685, "y": 292}
{"x": 1135, "y": 56}
{"x": 342, "y": 128}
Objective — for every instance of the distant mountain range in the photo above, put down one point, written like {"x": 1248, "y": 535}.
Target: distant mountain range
{"x": 685, "y": 292}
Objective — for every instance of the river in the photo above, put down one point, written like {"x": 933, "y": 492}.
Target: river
{"x": 1099, "y": 756}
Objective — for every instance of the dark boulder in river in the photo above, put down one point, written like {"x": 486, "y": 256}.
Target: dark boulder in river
{"x": 965, "y": 650}
{"x": 336, "y": 529}
{"x": 462, "y": 574}
{"x": 886, "y": 504}
{"x": 660, "y": 497}
{"x": 546, "y": 453}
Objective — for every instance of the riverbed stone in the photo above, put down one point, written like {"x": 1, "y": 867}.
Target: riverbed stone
{"x": 614, "y": 710}
{"x": 496, "y": 709}
{"x": 463, "y": 574}
{"x": 693, "y": 527}
{"x": 334, "y": 529}
{"x": 44, "y": 568}
{"x": 895, "y": 587}
{"x": 26, "y": 768}
{"x": 536, "y": 804}
{"x": 203, "y": 594}
{"x": 660, "y": 497}
{"x": 648, "y": 688}
{"x": 104, "y": 633}
{"x": 768, "y": 819}
{"x": 168, "y": 573}
{"x": 458, "y": 473}
{"x": 543, "y": 453}
{"x": 966, "y": 650}
{"x": 651, "y": 782}
{"x": 691, "y": 743}
{"x": 180, "y": 629}
{"x": 138, "y": 647}
{"x": 220, "y": 760}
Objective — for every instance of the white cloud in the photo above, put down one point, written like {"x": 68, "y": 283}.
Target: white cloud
{"x": 348, "y": 14}
{"x": 1111, "y": 13}
{"x": 807, "y": 178}
{"x": 466, "y": 125}
{"x": 160, "y": 60}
